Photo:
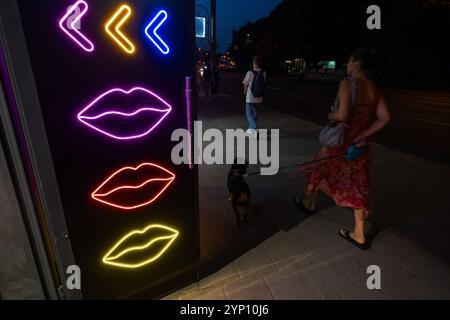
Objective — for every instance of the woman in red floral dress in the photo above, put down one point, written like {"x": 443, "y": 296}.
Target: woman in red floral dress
{"x": 346, "y": 181}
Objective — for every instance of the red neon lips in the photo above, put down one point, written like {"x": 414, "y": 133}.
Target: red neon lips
{"x": 131, "y": 188}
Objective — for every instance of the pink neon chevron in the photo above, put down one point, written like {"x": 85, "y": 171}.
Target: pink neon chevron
{"x": 163, "y": 110}
{"x": 81, "y": 40}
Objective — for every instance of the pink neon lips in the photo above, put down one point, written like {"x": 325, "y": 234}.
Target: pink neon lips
{"x": 134, "y": 187}
{"x": 125, "y": 115}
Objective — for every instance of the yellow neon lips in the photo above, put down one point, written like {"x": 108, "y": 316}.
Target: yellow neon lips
{"x": 141, "y": 247}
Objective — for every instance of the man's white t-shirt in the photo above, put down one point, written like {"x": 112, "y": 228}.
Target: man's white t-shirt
{"x": 248, "y": 80}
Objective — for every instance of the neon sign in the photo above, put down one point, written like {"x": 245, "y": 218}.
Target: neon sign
{"x": 139, "y": 113}
{"x": 125, "y": 12}
{"x": 154, "y": 26}
{"x": 200, "y": 27}
{"x": 143, "y": 184}
{"x": 138, "y": 246}
{"x": 74, "y": 33}
{"x": 110, "y": 97}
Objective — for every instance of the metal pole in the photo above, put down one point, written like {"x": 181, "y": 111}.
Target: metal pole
{"x": 213, "y": 32}
{"x": 190, "y": 96}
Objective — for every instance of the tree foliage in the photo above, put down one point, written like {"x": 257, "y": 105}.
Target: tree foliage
{"x": 412, "y": 41}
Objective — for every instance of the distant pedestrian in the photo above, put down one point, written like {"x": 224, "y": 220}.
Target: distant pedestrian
{"x": 207, "y": 81}
{"x": 254, "y": 90}
{"x": 347, "y": 181}
{"x": 215, "y": 86}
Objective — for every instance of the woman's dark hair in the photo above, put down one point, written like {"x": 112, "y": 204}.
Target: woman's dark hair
{"x": 367, "y": 58}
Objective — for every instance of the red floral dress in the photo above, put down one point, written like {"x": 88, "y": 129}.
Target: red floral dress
{"x": 345, "y": 181}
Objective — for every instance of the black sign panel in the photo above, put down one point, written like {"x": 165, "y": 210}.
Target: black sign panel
{"x": 110, "y": 76}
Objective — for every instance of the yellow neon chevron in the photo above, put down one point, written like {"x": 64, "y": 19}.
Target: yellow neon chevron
{"x": 124, "y": 12}
{"x": 122, "y": 247}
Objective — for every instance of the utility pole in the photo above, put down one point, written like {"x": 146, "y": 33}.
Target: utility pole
{"x": 213, "y": 32}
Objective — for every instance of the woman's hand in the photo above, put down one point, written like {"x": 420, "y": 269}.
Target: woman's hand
{"x": 331, "y": 116}
{"x": 360, "y": 141}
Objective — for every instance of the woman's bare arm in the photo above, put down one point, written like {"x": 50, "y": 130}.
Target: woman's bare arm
{"x": 344, "y": 95}
{"x": 383, "y": 118}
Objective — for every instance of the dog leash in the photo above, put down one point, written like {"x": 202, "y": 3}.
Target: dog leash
{"x": 296, "y": 165}
{"x": 353, "y": 153}
{"x": 323, "y": 159}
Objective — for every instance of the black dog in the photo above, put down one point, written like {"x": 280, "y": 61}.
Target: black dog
{"x": 239, "y": 192}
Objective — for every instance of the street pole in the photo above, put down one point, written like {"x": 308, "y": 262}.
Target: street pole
{"x": 213, "y": 32}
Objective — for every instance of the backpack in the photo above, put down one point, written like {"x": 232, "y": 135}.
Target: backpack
{"x": 259, "y": 84}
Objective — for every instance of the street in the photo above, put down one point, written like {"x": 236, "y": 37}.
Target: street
{"x": 420, "y": 119}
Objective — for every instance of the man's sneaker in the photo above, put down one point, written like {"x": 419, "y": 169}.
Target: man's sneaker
{"x": 252, "y": 133}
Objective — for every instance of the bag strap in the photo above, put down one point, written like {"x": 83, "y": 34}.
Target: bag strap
{"x": 257, "y": 73}
{"x": 354, "y": 91}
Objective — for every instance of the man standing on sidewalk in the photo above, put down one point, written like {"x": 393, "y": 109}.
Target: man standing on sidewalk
{"x": 207, "y": 82}
{"x": 254, "y": 90}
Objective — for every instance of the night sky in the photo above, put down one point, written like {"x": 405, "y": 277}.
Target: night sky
{"x": 234, "y": 14}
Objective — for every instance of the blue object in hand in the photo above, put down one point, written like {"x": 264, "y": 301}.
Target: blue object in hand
{"x": 353, "y": 152}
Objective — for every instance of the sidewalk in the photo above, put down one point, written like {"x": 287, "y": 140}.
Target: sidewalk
{"x": 410, "y": 221}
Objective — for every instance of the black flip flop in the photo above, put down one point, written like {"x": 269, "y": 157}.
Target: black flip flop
{"x": 299, "y": 204}
{"x": 346, "y": 235}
